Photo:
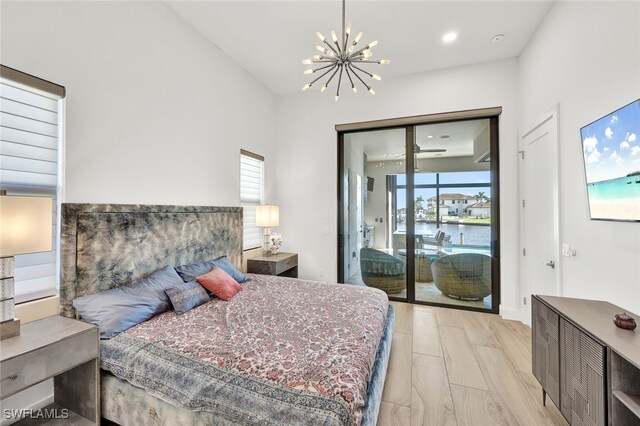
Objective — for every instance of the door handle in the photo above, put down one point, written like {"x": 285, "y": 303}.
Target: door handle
{"x": 552, "y": 264}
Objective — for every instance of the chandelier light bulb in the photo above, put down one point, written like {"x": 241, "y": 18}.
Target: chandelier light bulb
{"x": 341, "y": 58}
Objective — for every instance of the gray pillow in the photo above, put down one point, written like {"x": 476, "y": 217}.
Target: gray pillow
{"x": 187, "y": 296}
{"x": 121, "y": 308}
{"x": 116, "y": 310}
{"x": 223, "y": 263}
{"x": 155, "y": 285}
{"x": 190, "y": 272}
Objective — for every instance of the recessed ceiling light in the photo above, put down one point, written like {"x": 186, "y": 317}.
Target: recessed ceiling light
{"x": 430, "y": 137}
{"x": 450, "y": 37}
{"x": 498, "y": 37}
{"x": 445, "y": 137}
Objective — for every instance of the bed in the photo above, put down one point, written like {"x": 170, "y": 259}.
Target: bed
{"x": 282, "y": 351}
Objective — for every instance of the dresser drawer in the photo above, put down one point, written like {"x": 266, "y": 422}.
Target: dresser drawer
{"x": 33, "y": 367}
{"x": 286, "y": 264}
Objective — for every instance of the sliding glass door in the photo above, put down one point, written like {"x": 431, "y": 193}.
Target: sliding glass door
{"x": 419, "y": 212}
{"x": 372, "y": 210}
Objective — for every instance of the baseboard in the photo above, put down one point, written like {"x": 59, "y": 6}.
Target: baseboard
{"x": 512, "y": 314}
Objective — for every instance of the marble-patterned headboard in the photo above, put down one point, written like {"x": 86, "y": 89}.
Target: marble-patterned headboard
{"x": 108, "y": 245}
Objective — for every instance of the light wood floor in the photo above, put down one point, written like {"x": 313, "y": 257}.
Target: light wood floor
{"x": 451, "y": 367}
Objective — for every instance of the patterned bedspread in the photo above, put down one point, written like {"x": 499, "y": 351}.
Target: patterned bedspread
{"x": 282, "y": 351}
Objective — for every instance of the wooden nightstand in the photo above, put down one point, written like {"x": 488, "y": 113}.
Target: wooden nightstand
{"x": 62, "y": 348}
{"x": 281, "y": 264}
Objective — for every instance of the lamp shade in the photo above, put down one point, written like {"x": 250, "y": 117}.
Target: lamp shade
{"x": 25, "y": 224}
{"x": 267, "y": 216}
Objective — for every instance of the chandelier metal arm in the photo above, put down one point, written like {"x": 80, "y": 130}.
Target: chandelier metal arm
{"x": 361, "y": 70}
{"x": 323, "y": 74}
{"x": 339, "y": 81}
{"x": 326, "y": 66}
{"x": 359, "y": 78}
{"x": 331, "y": 78}
{"x": 350, "y": 79}
{"x": 331, "y": 47}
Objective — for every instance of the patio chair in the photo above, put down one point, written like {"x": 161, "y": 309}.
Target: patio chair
{"x": 382, "y": 270}
{"x": 436, "y": 240}
{"x": 463, "y": 275}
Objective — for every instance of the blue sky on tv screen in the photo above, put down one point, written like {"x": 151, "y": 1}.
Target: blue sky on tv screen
{"x": 611, "y": 145}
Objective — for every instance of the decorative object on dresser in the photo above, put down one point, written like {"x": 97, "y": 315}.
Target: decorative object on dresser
{"x": 589, "y": 368}
{"x": 64, "y": 349}
{"x": 267, "y": 217}
{"x": 275, "y": 242}
{"x": 26, "y": 224}
{"x": 282, "y": 264}
{"x": 624, "y": 321}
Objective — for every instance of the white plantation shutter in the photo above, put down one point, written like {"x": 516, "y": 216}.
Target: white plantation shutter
{"x": 29, "y": 165}
{"x": 251, "y": 195}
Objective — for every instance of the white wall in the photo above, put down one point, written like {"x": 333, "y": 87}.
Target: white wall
{"x": 155, "y": 112}
{"x": 586, "y": 57}
{"x": 307, "y": 155}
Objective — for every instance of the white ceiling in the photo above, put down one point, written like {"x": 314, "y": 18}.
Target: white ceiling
{"x": 384, "y": 145}
{"x": 270, "y": 38}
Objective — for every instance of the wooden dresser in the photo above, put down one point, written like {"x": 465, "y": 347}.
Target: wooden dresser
{"x": 62, "y": 348}
{"x": 589, "y": 367}
{"x": 282, "y": 264}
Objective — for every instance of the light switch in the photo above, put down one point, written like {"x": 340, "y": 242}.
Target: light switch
{"x": 567, "y": 251}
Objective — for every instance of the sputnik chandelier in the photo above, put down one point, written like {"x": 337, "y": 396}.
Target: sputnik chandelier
{"x": 342, "y": 57}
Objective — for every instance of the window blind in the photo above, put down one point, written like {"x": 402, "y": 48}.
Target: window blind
{"x": 29, "y": 165}
{"x": 251, "y": 195}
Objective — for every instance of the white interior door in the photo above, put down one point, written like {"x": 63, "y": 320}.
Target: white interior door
{"x": 540, "y": 230}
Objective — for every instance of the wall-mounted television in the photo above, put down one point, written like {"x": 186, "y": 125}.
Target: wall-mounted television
{"x": 611, "y": 148}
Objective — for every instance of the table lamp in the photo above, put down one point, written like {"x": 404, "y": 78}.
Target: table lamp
{"x": 25, "y": 227}
{"x": 267, "y": 216}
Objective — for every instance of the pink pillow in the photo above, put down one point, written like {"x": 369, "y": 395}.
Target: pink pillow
{"x": 219, "y": 283}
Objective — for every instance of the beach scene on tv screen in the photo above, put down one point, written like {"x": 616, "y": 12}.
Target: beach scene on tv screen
{"x": 611, "y": 149}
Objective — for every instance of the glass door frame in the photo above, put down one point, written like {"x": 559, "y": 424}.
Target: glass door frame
{"x": 409, "y": 124}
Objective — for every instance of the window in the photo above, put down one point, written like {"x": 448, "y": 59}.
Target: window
{"x": 251, "y": 195}
{"x": 30, "y": 163}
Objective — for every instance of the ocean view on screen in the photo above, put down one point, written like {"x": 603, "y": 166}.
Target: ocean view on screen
{"x": 611, "y": 149}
